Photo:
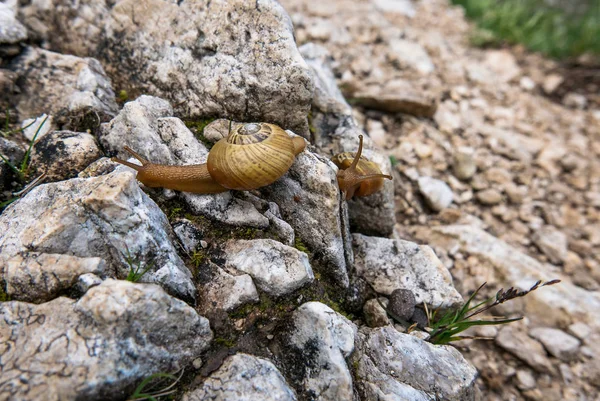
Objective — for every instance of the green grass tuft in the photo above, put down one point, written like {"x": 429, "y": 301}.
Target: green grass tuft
{"x": 548, "y": 30}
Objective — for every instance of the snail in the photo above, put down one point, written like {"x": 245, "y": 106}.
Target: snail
{"x": 251, "y": 156}
{"x": 357, "y": 176}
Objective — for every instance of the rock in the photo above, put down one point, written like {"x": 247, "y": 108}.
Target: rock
{"x": 575, "y": 101}
{"x": 13, "y": 153}
{"x": 375, "y": 315}
{"x": 436, "y": 192}
{"x": 244, "y": 377}
{"x": 402, "y": 303}
{"x": 525, "y": 380}
{"x": 314, "y": 350}
{"x": 397, "y": 96}
{"x": 447, "y": 118}
{"x": 392, "y": 365}
{"x": 552, "y": 243}
{"x": 39, "y": 277}
{"x": 334, "y": 131}
{"x": 404, "y": 7}
{"x": 490, "y": 196}
{"x": 409, "y": 54}
{"x": 503, "y": 65}
{"x": 108, "y": 217}
{"x": 580, "y": 330}
{"x": 525, "y": 348}
{"x": 567, "y": 302}
{"x": 188, "y": 234}
{"x": 464, "y": 163}
{"x": 391, "y": 264}
{"x": 552, "y": 82}
{"x": 276, "y": 269}
{"x": 37, "y": 127}
{"x": 99, "y": 346}
{"x": 11, "y": 30}
{"x": 309, "y": 200}
{"x": 227, "y": 291}
{"x": 61, "y": 84}
{"x": 557, "y": 342}
{"x": 63, "y": 154}
{"x": 226, "y": 208}
{"x": 233, "y": 59}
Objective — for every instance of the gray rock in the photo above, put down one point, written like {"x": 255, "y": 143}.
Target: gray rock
{"x": 335, "y": 130}
{"x": 39, "y": 277}
{"x": 188, "y": 234}
{"x": 567, "y": 302}
{"x": 525, "y": 380}
{"x": 276, "y": 269}
{"x": 314, "y": 351}
{"x": 309, "y": 200}
{"x": 396, "y": 96}
{"x": 436, "y": 192}
{"x": 525, "y": 348}
{"x": 226, "y": 208}
{"x": 557, "y": 342}
{"x": 61, "y": 84}
{"x": 87, "y": 281}
{"x": 108, "y": 217}
{"x": 390, "y": 264}
{"x": 375, "y": 315}
{"x": 63, "y": 154}
{"x": 99, "y": 346}
{"x": 552, "y": 243}
{"x": 227, "y": 291}
{"x": 11, "y": 30}
{"x": 411, "y": 55}
{"x": 402, "y": 303}
{"x": 245, "y": 378}
{"x": 234, "y": 58}
{"x": 464, "y": 163}
{"x": 37, "y": 127}
{"x": 490, "y": 196}
{"x": 394, "y": 366}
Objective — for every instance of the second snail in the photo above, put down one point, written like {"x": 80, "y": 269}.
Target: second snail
{"x": 254, "y": 155}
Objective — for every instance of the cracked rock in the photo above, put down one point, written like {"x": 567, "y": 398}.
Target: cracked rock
{"x": 314, "y": 351}
{"x": 244, "y": 377}
{"x": 222, "y": 58}
{"x": 108, "y": 217}
{"x": 227, "y": 291}
{"x": 60, "y": 84}
{"x": 390, "y": 264}
{"x": 276, "y": 269}
{"x": 396, "y": 366}
{"x": 96, "y": 348}
{"x": 39, "y": 277}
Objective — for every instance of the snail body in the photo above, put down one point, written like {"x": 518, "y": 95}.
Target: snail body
{"x": 251, "y": 156}
{"x": 358, "y": 176}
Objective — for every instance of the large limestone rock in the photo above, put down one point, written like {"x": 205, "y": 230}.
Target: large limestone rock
{"x": 217, "y": 58}
{"x": 60, "y": 84}
{"x": 108, "y": 217}
{"x": 244, "y": 377}
{"x": 314, "y": 351}
{"x": 390, "y": 264}
{"x": 96, "y": 348}
{"x": 394, "y": 366}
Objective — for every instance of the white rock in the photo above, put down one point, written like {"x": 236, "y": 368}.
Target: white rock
{"x": 30, "y": 126}
{"x": 568, "y": 303}
{"x": 117, "y": 334}
{"x": 580, "y": 330}
{"x": 276, "y": 269}
{"x": 552, "y": 243}
{"x": 557, "y": 342}
{"x": 107, "y": 217}
{"x": 525, "y": 380}
{"x": 436, "y": 192}
{"x": 227, "y": 291}
{"x": 464, "y": 163}
{"x": 395, "y": 366}
{"x": 503, "y": 64}
{"x": 552, "y": 82}
{"x": 11, "y": 30}
{"x": 390, "y": 264}
{"x": 40, "y": 277}
{"x": 575, "y": 101}
{"x": 404, "y": 7}
{"x": 321, "y": 339}
{"x": 375, "y": 315}
{"x": 244, "y": 377}
{"x": 525, "y": 348}
{"x": 58, "y": 84}
{"x": 410, "y": 54}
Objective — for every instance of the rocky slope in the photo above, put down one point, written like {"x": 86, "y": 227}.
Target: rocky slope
{"x": 272, "y": 293}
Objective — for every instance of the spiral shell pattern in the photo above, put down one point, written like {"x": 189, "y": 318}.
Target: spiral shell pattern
{"x": 252, "y": 156}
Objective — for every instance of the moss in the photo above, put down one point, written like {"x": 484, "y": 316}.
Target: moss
{"x": 197, "y": 127}
{"x": 175, "y": 213}
{"x": 227, "y": 342}
{"x": 299, "y": 245}
{"x": 4, "y": 297}
{"x": 122, "y": 96}
{"x": 198, "y": 257}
